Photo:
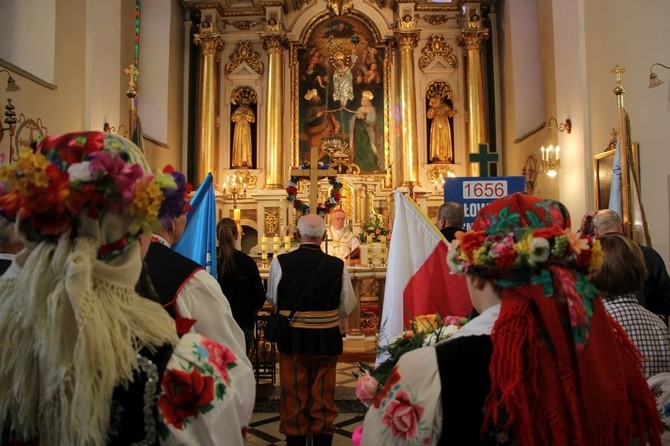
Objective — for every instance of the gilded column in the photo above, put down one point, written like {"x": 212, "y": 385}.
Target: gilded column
{"x": 274, "y": 44}
{"x": 473, "y": 37}
{"x": 207, "y": 160}
{"x": 408, "y": 170}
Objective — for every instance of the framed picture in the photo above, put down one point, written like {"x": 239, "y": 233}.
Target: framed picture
{"x": 603, "y": 171}
{"x": 339, "y": 87}
{"x": 603, "y": 168}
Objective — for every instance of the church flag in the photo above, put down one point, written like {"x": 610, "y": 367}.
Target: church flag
{"x": 615, "y": 188}
{"x": 418, "y": 280}
{"x": 199, "y": 240}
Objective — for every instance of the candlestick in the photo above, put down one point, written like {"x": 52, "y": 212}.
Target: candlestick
{"x": 264, "y": 248}
{"x": 383, "y": 243}
{"x": 287, "y": 243}
{"x": 275, "y": 249}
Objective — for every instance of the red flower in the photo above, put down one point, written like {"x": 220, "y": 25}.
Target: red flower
{"x": 72, "y": 149}
{"x": 472, "y": 240}
{"x": 548, "y": 233}
{"x": 184, "y": 395}
{"x": 219, "y": 357}
{"x": 337, "y": 196}
{"x": 402, "y": 416}
{"x": 506, "y": 259}
{"x": 292, "y": 190}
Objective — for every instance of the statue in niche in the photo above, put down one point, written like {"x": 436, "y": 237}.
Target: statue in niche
{"x": 243, "y": 117}
{"x": 441, "y": 148}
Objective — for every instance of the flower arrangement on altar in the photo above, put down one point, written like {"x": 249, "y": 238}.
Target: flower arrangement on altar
{"x": 375, "y": 228}
{"x": 425, "y": 330}
{"x": 322, "y": 208}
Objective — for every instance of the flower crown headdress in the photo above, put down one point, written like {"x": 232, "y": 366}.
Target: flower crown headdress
{"x": 515, "y": 239}
{"x": 51, "y": 185}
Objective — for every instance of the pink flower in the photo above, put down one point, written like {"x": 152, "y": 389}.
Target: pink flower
{"x": 451, "y": 320}
{"x": 357, "y": 436}
{"x": 402, "y": 416}
{"x": 219, "y": 357}
{"x": 366, "y": 388}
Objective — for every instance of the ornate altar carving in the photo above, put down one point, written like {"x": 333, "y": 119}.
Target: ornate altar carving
{"x": 437, "y": 46}
{"x": 244, "y": 53}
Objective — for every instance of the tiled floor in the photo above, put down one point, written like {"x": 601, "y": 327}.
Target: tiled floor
{"x": 264, "y": 429}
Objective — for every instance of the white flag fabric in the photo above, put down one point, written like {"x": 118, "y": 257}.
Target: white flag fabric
{"x": 615, "y": 189}
{"x": 418, "y": 280}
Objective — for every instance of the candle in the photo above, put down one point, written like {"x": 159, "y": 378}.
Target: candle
{"x": 383, "y": 253}
{"x": 287, "y": 243}
{"x": 275, "y": 248}
{"x": 542, "y": 150}
{"x": 368, "y": 239}
{"x": 558, "y": 149}
{"x": 264, "y": 248}
{"x": 236, "y": 215}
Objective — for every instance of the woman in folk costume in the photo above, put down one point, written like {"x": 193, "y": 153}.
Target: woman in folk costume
{"x": 84, "y": 359}
{"x": 543, "y": 364}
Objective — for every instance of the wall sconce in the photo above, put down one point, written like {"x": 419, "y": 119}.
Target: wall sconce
{"x": 654, "y": 81}
{"x": 10, "y": 115}
{"x": 551, "y": 156}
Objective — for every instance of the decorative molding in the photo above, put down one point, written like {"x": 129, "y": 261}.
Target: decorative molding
{"x": 243, "y": 95}
{"x": 437, "y": 46}
{"x": 440, "y": 88}
{"x": 244, "y": 25}
{"x": 435, "y": 19}
{"x": 272, "y": 221}
{"x": 244, "y": 52}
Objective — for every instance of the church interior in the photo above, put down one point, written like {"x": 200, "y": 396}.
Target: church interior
{"x": 511, "y": 73}
{"x": 385, "y": 94}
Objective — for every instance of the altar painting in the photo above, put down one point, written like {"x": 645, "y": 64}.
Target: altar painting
{"x": 339, "y": 89}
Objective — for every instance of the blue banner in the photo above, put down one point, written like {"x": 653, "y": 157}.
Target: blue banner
{"x": 199, "y": 240}
{"x": 475, "y": 192}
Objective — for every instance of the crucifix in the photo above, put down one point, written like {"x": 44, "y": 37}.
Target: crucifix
{"x": 484, "y": 158}
{"x": 131, "y": 94}
{"x": 313, "y": 173}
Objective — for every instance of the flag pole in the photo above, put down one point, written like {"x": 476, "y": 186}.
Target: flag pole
{"x": 619, "y": 91}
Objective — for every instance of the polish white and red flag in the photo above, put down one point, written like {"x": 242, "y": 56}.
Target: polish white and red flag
{"x": 418, "y": 280}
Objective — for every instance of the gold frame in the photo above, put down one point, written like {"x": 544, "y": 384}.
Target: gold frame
{"x": 386, "y": 175}
{"x": 603, "y": 164}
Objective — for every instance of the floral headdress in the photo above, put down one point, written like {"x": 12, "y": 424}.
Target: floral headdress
{"x": 63, "y": 176}
{"x": 515, "y": 247}
{"x": 552, "y": 332}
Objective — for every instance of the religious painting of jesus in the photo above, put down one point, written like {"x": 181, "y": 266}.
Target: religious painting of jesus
{"x": 339, "y": 88}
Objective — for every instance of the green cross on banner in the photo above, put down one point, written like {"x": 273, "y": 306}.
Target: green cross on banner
{"x": 484, "y": 158}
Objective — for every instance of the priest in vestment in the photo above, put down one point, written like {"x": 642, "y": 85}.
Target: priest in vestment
{"x": 342, "y": 242}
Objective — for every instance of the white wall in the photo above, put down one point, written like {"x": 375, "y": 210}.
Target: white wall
{"x": 103, "y": 64}
{"x": 633, "y": 35}
{"x": 27, "y": 35}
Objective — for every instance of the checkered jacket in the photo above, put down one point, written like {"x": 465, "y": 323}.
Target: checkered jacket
{"x": 647, "y": 331}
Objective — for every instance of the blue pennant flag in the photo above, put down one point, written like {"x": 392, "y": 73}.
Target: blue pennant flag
{"x": 199, "y": 240}
{"x": 615, "y": 190}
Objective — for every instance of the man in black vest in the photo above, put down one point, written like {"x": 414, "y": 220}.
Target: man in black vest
{"x": 318, "y": 287}
{"x": 189, "y": 293}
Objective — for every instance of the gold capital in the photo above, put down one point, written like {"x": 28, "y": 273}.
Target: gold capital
{"x": 274, "y": 43}
{"x": 474, "y": 39}
{"x": 210, "y": 43}
{"x": 407, "y": 40}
